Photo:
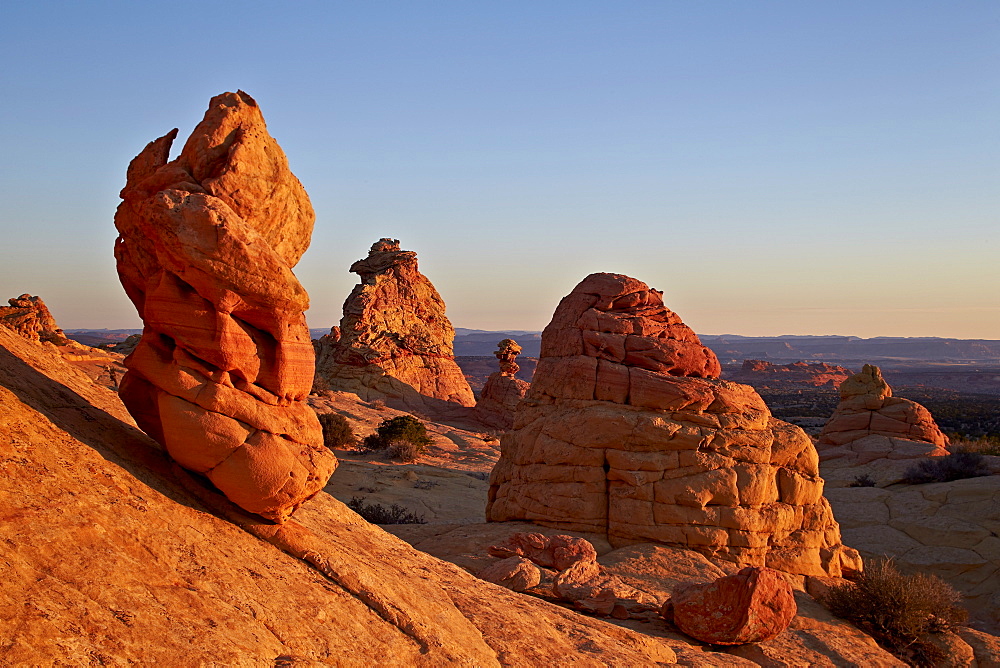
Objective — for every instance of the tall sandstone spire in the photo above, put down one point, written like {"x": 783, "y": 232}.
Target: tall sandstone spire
{"x": 627, "y": 431}
{"x": 205, "y": 251}
{"x": 394, "y": 342}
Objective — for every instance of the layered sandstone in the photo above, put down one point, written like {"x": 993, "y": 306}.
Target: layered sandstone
{"x": 813, "y": 374}
{"x": 626, "y": 431}
{"x": 205, "y": 251}
{"x": 29, "y": 317}
{"x": 502, "y": 392}
{"x": 394, "y": 342}
{"x": 870, "y": 423}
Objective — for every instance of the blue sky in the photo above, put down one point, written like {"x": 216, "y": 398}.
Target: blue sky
{"x": 773, "y": 167}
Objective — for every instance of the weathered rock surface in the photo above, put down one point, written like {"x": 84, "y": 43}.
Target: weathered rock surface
{"x": 514, "y": 573}
{"x": 109, "y": 559}
{"x": 625, "y": 432}
{"x": 29, "y": 317}
{"x": 947, "y": 529}
{"x": 903, "y": 429}
{"x": 205, "y": 251}
{"x": 394, "y": 342}
{"x": 753, "y": 605}
{"x": 759, "y": 373}
{"x": 502, "y": 392}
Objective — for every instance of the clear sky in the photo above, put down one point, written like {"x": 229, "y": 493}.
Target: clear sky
{"x": 774, "y": 167}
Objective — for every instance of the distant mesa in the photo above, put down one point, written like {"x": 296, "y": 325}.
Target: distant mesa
{"x": 870, "y": 423}
{"x": 816, "y": 374}
{"x": 205, "y": 251}
{"x": 502, "y": 392}
{"x": 29, "y": 317}
{"x": 394, "y": 342}
{"x": 627, "y": 431}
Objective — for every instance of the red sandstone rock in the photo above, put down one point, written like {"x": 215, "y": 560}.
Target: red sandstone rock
{"x": 205, "y": 251}
{"x": 395, "y": 342}
{"x": 502, "y": 392}
{"x": 625, "y": 432}
{"x": 558, "y": 552}
{"x": 867, "y": 408}
{"x": 515, "y": 573}
{"x": 29, "y": 317}
{"x": 816, "y": 374}
{"x": 754, "y": 605}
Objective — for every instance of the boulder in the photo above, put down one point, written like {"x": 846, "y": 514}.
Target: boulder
{"x": 205, "y": 251}
{"x": 902, "y": 429}
{"x": 514, "y": 573}
{"x": 29, "y": 317}
{"x": 558, "y": 552}
{"x": 626, "y": 431}
{"x": 394, "y": 342}
{"x": 753, "y": 605}
{"x": 502, "y": 392}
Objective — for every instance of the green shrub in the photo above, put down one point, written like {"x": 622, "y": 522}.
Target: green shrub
{"x": 337, "y": 431}
{"x": 956, "y": 466}
{"x": 376, "y": 513}
{"x": 402, "y": 428}
{"x": 898, "y": 610}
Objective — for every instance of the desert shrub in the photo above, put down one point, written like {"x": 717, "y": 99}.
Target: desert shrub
{"x": 402, "y": 428}
{"x": 402, "y": 450}
{"x": 337, "y": 431}
{"x": 492, "y": 436}
{"x": 956, "y": 466}
{"x": 376, "y": 513}
{"x": 986, "y": 445}
{"x": 898, "y": 610}
{"x": 377, "y": 404}
{"x": 863, "y": 481}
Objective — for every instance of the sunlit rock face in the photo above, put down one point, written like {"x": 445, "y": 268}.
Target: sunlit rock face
{"x": 394, "y": 342}
{"x": 29, "y": 317}
{"x": 627, "y": 431}
{"x": 205, "y": 251}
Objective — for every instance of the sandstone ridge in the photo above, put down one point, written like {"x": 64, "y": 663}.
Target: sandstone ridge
{"x": 627, "y": 432}
{"x": 29, "y": 317}
{"x": 205, "y": 251}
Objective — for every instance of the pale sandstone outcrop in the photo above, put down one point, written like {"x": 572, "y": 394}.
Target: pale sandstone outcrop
{"x": 205, "y": 251}
{"x": 753, "y": 605}
{"x": 394, "y": 342}
{"x": 626, "y": 432}
{"x": 870, "y": 424}
{"x": 110, "y": 560}
{"x": 502, "y": 392}
{"x": 29, "y": 317}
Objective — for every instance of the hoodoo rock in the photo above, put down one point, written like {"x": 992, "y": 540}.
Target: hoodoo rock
{"x": 627, "y": 431}
{"x": 205, "y": 251}
{"x": 502, "y": 392}
{"x": 870, "y": 423}
{"x": 29, "y": 317}
{"x": 394, "y": 342}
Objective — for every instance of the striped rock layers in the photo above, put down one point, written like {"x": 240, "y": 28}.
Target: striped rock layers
{"x": 627, "y": 431}
{"x": 205, "y": 251}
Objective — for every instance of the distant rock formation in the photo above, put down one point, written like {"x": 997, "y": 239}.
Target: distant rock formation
{"x": 29, "y": 317}
{"x": 627, "y": 432}
{"x": 205, "y": 251}
{"x": 502, "y": 392}
{"x": 394, "y": 342}
{"x": 814, "y": 374}
{"x": 870, "y": 423}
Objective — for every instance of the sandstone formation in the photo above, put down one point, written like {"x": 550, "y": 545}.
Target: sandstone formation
{"x": 502, "y": 392}
{"x": 627, "y": 432}
{"x": 514, "y": 573}
{"x": 753, "y": 605}
{"x": 394, "y": 342}
{"x": 760, "y": 373}
{"x": 29, "y": 317}
{"x": 558, "y": 552}
{"x": 870, "y": 423}
{"x": 205, "y": 251}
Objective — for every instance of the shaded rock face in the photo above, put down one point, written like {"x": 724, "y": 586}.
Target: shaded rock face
{"x": 394, "y": 342}
{"x": 205, "y": 251}
{"x": 625, "y": 432}
{"x": 502, "y": 392}
{"x": 29, "y": 317}
{"x": 903, "y": 429}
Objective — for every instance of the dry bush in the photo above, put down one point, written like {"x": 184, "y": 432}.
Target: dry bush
{"x": 898, "y": 610}
{"x": 402, "y": 450}
{"x": 863, "y": 481}
{"x": 986, "y": 445}
{"x": 377, "y": 404}
{"x": 337, "y": 431}
{"x": 956, "y": 466}
{"x": 376, "y": 513}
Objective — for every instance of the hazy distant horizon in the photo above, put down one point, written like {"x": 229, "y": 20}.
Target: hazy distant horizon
{"x": 775, "y": 168}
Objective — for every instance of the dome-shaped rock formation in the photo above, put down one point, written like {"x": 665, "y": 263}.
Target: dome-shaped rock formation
{"x": 29, "y": 317}
{"x": 394, "y": 342}
{"x": 502, "y": 392}
{"x": 902, "y": 429}
{"x": 205, "y": 251}
{"x": 626, "y": 431}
